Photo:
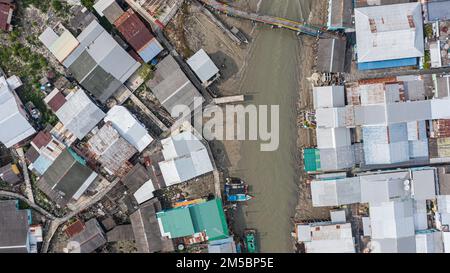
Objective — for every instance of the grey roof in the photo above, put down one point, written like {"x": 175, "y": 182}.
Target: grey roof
{"x": 7, "y": 175}
{"x": 397, "y": 245}
{"x": 95, "y": 62}
{"x": 12, "y": 117}
{"x": 438, "y": 10}
{"x": 135, "y": 178}
{"x": 171, "y": 86}
{"x": 203, "y": 66}
{"x": 146, "y": 229}
{"x": 13, "y": 228}
{"x": 424, "y": 186}
{"x": 79, "y": 114}
{"x": 340, "y": 14}
{"x": 339, "y": 158}
{"x": 331, "y": 55}
{"x": 91, "y": 238}
{"x": 65, "y": 177}
{"x": 120, "y": 233}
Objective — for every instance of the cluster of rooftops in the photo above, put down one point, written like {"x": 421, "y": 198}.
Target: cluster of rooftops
{"x": 92, "y": 144}
{"x": 381, "y": 142}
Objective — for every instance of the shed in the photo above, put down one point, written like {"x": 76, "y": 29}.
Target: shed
{"x": 203, "y": 66}
{"x": 10, "y": 174}
{"x": 311, "y": 160}
{"x": 329, "y": 96}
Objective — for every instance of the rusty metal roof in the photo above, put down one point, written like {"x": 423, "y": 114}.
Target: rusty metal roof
{"x": 133, "y": 30}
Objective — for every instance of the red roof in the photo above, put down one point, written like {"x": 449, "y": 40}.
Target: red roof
{"x": 56, "y": 102}
{"x": 4, "y": 14}
{"x": 42, "y": 139}
{"x": 74, "y": 228}
{"x": 133, "y": 30}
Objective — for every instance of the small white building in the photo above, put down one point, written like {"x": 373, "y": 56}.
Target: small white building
{"x": 329, "y": 96}
{"x": 14, "y": 125}
{"x": 129, "y": 127}
{"x": 185, "y": 158}
{"x": 204, "y": 67}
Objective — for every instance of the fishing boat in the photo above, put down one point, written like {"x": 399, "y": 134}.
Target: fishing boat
{"x": 250, "y": 240}
{"x": 236, "y": 190}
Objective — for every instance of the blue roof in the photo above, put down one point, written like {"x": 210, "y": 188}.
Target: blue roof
{"x": 388, "y": 64}
{"x": 439, "y": 11}
{"x": 42, "y": 163}
{"x": 150, "y": 51}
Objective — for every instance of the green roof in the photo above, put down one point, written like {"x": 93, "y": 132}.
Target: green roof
{"x": 186, "y": 221}
{"x": 177, "y": 222}
{"x": 311, "y": 159}
{"x": 209, "y": 217}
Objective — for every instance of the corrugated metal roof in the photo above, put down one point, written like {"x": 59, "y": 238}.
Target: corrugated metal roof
{"x": 389, "y": 32}
{"x": 203, "y": 66}
{"x": 14, "y": 228}
{"x": 79, "y": 114}
{"x": 438, "y": 10}
{"x": 133, "y": 30}
{"x": 12, "y": 117}
{"x": 129, "y": 127}
{"x": 336, "y": 192}
{"x": 329, "y": 96}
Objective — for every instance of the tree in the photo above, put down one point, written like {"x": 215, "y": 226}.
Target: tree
{"x": 89, "y": 4}
{"x": 56, "y": 5}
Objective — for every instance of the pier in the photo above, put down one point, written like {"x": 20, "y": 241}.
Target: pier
{"x": 299, "y": 27}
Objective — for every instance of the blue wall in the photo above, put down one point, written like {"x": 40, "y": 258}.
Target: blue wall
{"x": 388, "y": 64}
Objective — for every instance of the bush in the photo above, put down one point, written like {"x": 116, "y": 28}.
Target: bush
{"x": 56, "y": 5}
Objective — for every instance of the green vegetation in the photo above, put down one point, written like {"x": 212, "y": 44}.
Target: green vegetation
{"x": 29, "y": 66}
{"x": 427, "y": 60}
{"x": 89, "y": 4}
{"x": 56, "y": 5}
{"x": 146, "y": 72}
{"x": 429, "y": 31}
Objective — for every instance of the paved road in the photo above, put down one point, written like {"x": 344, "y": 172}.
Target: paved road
{"x": 26, "y": 200}
{"x": 59, "y": 221}
{"x": 26, "y": 176}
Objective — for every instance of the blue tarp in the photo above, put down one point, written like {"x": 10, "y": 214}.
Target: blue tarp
{"x": 150, "y": 51}
{"x": 388, "y": 64}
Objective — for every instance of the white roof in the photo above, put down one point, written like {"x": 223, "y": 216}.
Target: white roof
{"x": 185, "y": 158}
{"x": 13, "y": 121}
{"x": 383, "y": 187}
{"x": 101, "y": 5}
{"x": 392, "y": 220}
{"x": 328, "y": 96}
{"x": 59, "y": 45}
{"x": 446, "y": 239}
{"x": 429, "y": 242}
{"x": 222, "y": 246}
{"x": 145, "y": 192}
{"x": 338, "y": 216}
{"x": 389, "y": 32}
{"x": 79, "y": 114}
{"x": 336, "y": 192}
{"x": 331, "y": 117}
{"x": 333, "y": 137}
{"x": 203, "y": 66}
{"x": 331, "y": 239}
{"x": 129, "y": 127}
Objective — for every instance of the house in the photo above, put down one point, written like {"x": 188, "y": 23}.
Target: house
{"x": 185, "y": 156}
{"x": 66, "y": 179}
{"x": 438, "y": 10}
{"x": 203, "y": 67}
{"x": 110, "y": 149}
{"x": 389, "y": 36}
{"x": 120, "y": 233}
{"x": 129, "y": 127}
{"x": 146, "y": 229}
{"x": 331, "y": 55}
{"x": 78, "y": 113}
{"x": 44, "y": 150}
{"x": 340, "y": 14}
{"x": 158, "y": 12}
{"x": 7, "y": 8}
{"x": 91, "y": 58}
{"x": 138, "y": 183}
{"x": 108, "y": 8}
{"x": 171, "y": 86}
{"x": 336, "y": 192}
{"x": 138, "y": 35}
{"x": 89, "y": 239}
{"x": 222, "y": 246}
{"x": 12, "y": 114}
{"x": 205, "y": 218}
{"x": 326, "y": 237}
{"x": 14, "y": 228}
{"x": 10, "y": 174}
